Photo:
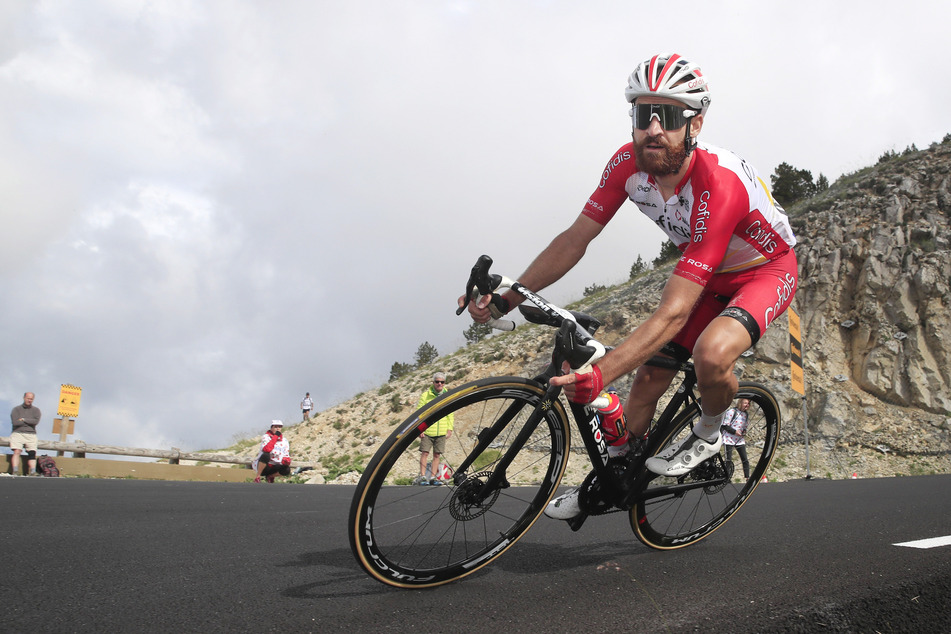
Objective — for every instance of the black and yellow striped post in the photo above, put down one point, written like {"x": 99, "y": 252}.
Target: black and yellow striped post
{"x": 797, "y": 376}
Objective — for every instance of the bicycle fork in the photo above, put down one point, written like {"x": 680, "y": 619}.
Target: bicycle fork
{"x": 498, "y": 478}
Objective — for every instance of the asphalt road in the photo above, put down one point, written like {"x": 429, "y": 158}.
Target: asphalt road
{"x": 83, "y": 555}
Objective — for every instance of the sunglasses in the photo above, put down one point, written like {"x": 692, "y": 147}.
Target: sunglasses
{"x": 439, "y": 382}
{"x": 669, "y": 116}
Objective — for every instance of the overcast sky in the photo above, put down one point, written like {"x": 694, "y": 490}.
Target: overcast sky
{"x": 210, "y": 208}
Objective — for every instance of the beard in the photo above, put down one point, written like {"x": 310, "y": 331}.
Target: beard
{"x": 666, "y": 164}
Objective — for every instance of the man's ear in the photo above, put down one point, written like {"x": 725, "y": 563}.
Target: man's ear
{"x": 696, "y": 123}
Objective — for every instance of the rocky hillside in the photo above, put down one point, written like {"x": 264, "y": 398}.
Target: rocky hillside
{"x": 874, "y": 298}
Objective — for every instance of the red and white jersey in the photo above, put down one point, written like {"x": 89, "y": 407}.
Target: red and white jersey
{"x": 736, "y": 422}
{"x": 280, "y": 450}
{"x": 722, "y": 216}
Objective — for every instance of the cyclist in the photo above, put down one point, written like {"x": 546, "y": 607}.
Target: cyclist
{"x": 736, "y": 274}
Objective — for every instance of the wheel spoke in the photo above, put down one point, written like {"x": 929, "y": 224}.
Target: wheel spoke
{"x": 682, "y": 516}
{"x": 425, "y": 535}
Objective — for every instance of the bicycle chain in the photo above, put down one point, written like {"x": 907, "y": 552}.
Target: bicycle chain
{"x": 591, "y": 498}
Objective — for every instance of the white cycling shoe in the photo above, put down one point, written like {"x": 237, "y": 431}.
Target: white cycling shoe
{"x": 565, "y": 507}
{"x": 678, "y": 460}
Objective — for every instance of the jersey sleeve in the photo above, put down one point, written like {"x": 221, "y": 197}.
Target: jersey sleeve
{"x": 610, "y": 193}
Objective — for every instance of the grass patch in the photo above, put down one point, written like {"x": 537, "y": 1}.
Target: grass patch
{"x": 338, "y": 465}
{"x": 487, "y": 458}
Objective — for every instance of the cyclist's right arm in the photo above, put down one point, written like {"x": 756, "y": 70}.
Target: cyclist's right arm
{"x": 570, "y": 245}
{"x": 551, "y": 264}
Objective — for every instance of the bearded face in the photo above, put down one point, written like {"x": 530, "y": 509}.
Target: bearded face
{"x": 656, "y": 156}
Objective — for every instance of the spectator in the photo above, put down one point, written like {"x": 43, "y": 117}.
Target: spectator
{"x": 275, "y": 456}
{"x": 734, "y": 433}
{"x": 435, "y": 437}
{"x": 306, "y": 405}
{"x": 24, "y": 419}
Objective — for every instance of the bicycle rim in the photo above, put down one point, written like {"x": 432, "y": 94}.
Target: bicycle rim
{"x": 681, "y": 518}
{"x": 407, "y": 535}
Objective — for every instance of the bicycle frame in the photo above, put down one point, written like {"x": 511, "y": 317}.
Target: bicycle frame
{"x": 514, "y": 429}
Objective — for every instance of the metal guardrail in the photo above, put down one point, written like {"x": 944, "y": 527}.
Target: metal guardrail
{"x": 79, "y": 449}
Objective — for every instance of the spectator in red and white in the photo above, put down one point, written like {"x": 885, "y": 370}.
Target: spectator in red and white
{"x": 734, "y": 433}
{"x": 275, "y": 456}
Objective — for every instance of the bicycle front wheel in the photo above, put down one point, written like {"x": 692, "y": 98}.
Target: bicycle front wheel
{"x": 407, "y": 535}
{"x": 677, "y": 511}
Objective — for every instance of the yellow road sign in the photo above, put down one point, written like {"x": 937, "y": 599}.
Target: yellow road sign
{"x": 69, "y": 396}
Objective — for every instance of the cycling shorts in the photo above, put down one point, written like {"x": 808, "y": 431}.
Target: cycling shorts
{"x": 754, "y": 297}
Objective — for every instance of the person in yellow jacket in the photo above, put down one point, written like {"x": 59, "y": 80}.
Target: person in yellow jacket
{"x": 435, "y": 436}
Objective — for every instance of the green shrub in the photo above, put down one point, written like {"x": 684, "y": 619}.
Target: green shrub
{"x": 486, "y": 458}
{"x": 338, "y": 465}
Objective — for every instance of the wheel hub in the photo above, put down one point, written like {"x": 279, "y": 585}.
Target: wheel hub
{"x": 468, "y": 500}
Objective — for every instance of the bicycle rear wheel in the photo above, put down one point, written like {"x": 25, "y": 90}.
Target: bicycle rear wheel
{"x": 678, "y": 511}
{"x": 418, "y": 536}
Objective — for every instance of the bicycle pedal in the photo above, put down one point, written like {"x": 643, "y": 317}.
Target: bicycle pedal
{"x": 577, "y": 521}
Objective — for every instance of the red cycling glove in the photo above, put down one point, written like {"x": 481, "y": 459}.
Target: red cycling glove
{"x": 286, "y": 462}
{"x": 588, "y": 385}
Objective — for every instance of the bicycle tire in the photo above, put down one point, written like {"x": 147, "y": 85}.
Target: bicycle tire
{"x": 421, "y": 536}
{"x": 680, "y": 519}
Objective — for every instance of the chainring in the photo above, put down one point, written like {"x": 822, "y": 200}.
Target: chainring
{"x": 593, "y": 499}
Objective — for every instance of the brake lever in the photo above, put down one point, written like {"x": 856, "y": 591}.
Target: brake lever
{"x": 479, "y": 279}
{"x": 576, "y": 346}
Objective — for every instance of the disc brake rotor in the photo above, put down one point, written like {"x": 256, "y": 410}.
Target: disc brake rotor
{"x": 467, "y": 503}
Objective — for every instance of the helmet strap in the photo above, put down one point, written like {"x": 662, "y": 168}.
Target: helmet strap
{"x": 690, "y": 143}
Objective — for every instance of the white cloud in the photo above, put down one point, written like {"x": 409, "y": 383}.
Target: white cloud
{"x": 212, "y": 207}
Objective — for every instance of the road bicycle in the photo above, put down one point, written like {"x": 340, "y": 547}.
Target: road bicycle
{"x": 508, "y": 453}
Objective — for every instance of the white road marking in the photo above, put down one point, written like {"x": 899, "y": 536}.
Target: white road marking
{"x": 934, "y": 542}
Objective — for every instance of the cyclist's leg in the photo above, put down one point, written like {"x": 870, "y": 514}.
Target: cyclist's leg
{"x": 719, "y": 330}
{"x": 649, "y": 385}
{"x": 719, "y": 346}
{"x": 757, "y": 297}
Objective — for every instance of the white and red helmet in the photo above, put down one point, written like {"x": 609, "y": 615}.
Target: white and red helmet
{"x": 669, "y": 75}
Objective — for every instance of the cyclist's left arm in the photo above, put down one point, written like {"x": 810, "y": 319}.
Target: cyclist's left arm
{"x": 676, "y": 303}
